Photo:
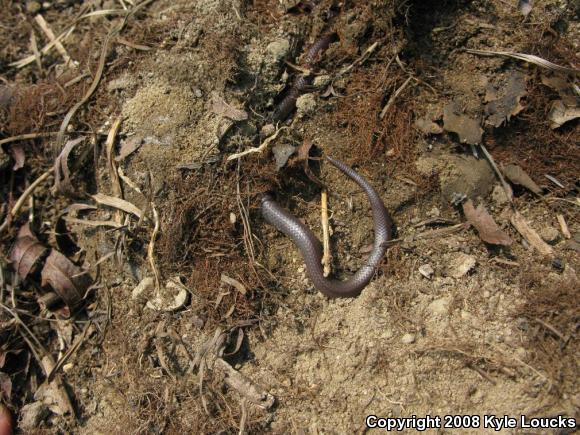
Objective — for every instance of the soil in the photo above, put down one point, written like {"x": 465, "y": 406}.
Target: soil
{"x": 450, "y": 325}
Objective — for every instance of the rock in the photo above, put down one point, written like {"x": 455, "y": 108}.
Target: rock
{"x": 278, "y": 49}
{"x": 305, "y": 105}
{"x": 427, "y": 126}
{"x": 460, "y": 265}
{"x": 172, "y": 297}
{"x": 33, "y": 7}
{"x": 322, "y": 81}
{"x": 439, "y": 307}
{"x": 426, "y": 270}
{"x": 498, "y": 196}
{"x": 550, "y": 235}
{"x": 408, "y": 338}
{"x": 145, "y": 286}
{"x": 268, "y": 130}
{"x": 31, "y": 415}
{"x": 282, "y": 153}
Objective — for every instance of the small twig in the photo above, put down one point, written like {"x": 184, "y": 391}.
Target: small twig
{"x": 259, "y": 149}
{"x": 326, "y": 257}
{"x": 151, "y": 248}
{"x": 44, "y": 50}
{"x": 49, "y": 33}
{"x": 564, "y": 226}
{"x": 394, "y": 97}
{"x": 362, "y": 58}
{"x": 506, "y": 187}
{"x": 244, "y": 418}
{"x": 26, "y": 136}
{"x": 530, "y": 235}
{"x": 114, "y": 176}
{"x": 34, "y": 48}
{"x": 23, "y": 198}
{"x": 552, "y": 330}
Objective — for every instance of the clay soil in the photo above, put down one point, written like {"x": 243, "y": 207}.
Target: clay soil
{"x": 450, "y": 325}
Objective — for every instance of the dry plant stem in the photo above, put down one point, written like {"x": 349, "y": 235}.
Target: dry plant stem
{"x": 527, "y": 58}
{"x": 44, "y": 50}
{"x": 23, "y": 198}
{"x": 259, "y": 149}
{"x": 74, "y": 347}
{"x": 564, "y": 226}
{"x": 530, "y": 235}
{"x": 49, "y": 33}
{"x": 151, "y": 248}
{"x": 361, "y": 58}
{"x": 394, "y": 97}
{"x": 326, "y": 257}
{"x": 506, "y": 187}
{"x": 34, "y": 48}
{"x": 26, "y": 136}
{"x": 115, "y": 184}
{"x": 244, "y": 418}
{"x": 98, "y": 74}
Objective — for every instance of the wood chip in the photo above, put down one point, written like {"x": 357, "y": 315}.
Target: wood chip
{"x": 564, "y": 227}
{"x": 530, "y": 235}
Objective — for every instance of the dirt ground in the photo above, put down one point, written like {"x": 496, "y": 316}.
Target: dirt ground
{"x": 175, "y": 307}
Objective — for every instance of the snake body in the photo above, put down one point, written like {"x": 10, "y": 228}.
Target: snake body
{"x": 311, "y": 248}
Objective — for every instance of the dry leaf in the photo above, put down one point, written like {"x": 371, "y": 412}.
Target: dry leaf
{"x": 234, "y": 283}
{"x": 129, "y": 146}
{"x": 68, "y": 280}
{"x": 26, "y": 251}
{"x": 17, "y": 153}
{"x": 118, "y": 203}
{"x": 468, "y": 129}
{"x": 220, "y": 107}
{"x": 486, "y": 227}
{"x": 500, "y": 110}
{"x": 518, "y": 176}
{"x": 62, "y": 182}
{"x": 561, "y": 114}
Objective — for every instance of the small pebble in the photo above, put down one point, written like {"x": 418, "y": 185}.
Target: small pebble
{"x": 426, "y": 270}
{"x": 558, "y": 264}
{"x": 550, "y": 235}
{"x": 33, "y": 7}
{"x": 408, "y": 338}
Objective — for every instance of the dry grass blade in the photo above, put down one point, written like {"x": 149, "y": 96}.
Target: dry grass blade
{"x": 49, "y": 33}
{"x": 44, "y": 50}
{"x": 119, "y": 204}
{"x": 98, "y": 74}
{"x": 26, "y": 136}
{"x": 536, "y": 60}
{"x": 486, "y": 227}
{"x": 114, "y": 176}
{"x": 92, "y": 223}
{"x": 62, "y": 182}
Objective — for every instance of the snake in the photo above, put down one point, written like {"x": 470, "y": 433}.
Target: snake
{"x": 311, "y": 248}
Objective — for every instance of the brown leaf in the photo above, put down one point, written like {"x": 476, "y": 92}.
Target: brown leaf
{"x": 5, "y": 387}
{"x": 26, "y": 251}
{"x": 468, "y": 129}
{"x": 68, "y": 280}
{"x": 486, "y": 227}
{"x": 129, "y": 146}
{"x": 501, "y": 109}
{"x": 220, "y": 107}
{"x": 62, "y": 182}
{"x": 17, "y": 153}
{"x": 518, "y": 176}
